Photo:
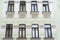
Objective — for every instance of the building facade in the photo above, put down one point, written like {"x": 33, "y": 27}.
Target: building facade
{"x": 27, "y": 20}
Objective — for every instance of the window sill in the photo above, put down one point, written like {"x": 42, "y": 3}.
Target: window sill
{"x": 22, "y": 11}
{"x": 22, "y": 14}
{"x": 8, "y": 38}
{"x": 48, "y": 38}
{"x": 10, "y": 11}
{"x": 46, "y": 11}
{"x": 46, "y": 14}
{"x": 35, "y": 38}
{"x": 10, "y": 14}
{"x": 21, "y": 38}
{"x": 34, "y": 14}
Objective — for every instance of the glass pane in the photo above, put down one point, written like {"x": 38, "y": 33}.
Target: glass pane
{"x": 20, "y": 7}
{"x": 12, "y": 9}
{"x": 23, "y": 33}
{"x": 10, "y": 33}
{"x": 46, "y": 33}
{"x": 44, "y": 9}
{"x": 32, "y": 7}
{"x": 49, "y": 32}
{"x": 20, "y": 34}
{"x": 37, "y": 33}
{"x": 24, "y": 8}
{"x": 47, "y": 8}
{"x": 35, "y": 7}
{"x": 6, "y": 34}
{"x": 33, "y": 33}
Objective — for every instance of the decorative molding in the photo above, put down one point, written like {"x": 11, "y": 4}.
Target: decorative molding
{"x": 48, "y": 38}
{"x": 3, "y": 26}
{"x": 8, "y": 38}
{"x": 28, "y": 26}
{"x": 35, "y": 38}
{"x": 34, "y": 14}
{"x": 15, "y": 26}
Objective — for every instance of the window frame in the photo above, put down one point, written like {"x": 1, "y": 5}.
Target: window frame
{"x": 46, "y": 6}
{"x": 23, "y": 35}
{"x": 49, "y": 34}
{"x": 35, "y": 28}
{"x": 35, "y": 5}
{"x": 21, "y": 7}
{"x": 10, "y": 9}
{"x": 9, "y": 31}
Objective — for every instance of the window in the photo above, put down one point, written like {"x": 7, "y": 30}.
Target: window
{"x": 35, "y": 31}
{"x": 22, "y": 31}
{"x": 48, "y": 31}
{"x": 22, "y": 6}
{"x": 45, "y": 6}
{"x": 10, "y": 6}
{"x": 34, "y": 6}
{"x": 8, "y": 33}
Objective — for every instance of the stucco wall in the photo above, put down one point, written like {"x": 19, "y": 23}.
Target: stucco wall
{"x": 56, "y": 11}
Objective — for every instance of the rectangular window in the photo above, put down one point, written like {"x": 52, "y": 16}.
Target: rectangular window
{"x": 10, "y": 6}
{"x": 35, "y": 31}
{"x": 8, "y": 33}
{"x": 34, "y": 6}
{"x": 22, "y": 6}
{"x": 22, "y": 31}
{"x": 48, "y": 31}
{"x": 45, "y": 6}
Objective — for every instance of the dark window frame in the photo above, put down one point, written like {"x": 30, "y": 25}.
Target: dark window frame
{"x": 22, "y": 5}
{"x": 44, "y": 5}
{"x": 35, "y": 9}
{"x": 9, "y": 29}
{"x": 49, "y": 28}
{"x": 22, "y": 29}
{"x": 10, "y": 5}
{"x": 35, "y": 28}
